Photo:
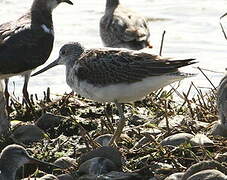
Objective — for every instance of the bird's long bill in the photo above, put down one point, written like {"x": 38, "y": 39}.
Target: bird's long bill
{"x": 55, "y": 63}
{"x": 68, "y": 1}
{"x": 36, "y": 161}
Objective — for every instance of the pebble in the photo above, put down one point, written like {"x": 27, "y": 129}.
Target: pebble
{"x": 97, "y": 166}
{"x": 114, "y": 175}
{"x": 201, "y": 139}
{"x": 27, "y": 134}
{"x": 209, "y": 174}
{"x": 65, "y": 162}
{"x": 175, "y": 176}
{"x": 48, "y": 121}
{"x": 177, "y": 139}
{"x": 104, "y": 139}
{"x": 106, "y": 152}
{"x": 202, "y": 166}
{"x": 65, "y": 177}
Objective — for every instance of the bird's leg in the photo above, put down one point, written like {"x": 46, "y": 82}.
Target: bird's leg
{"x": 120, "y": 126}
{"x": 25, "y": 90}
{"x": 7, "y": 95}
{"x": 109, "y": 117}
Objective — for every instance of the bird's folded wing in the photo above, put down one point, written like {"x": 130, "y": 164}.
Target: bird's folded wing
{"x": 222, "y": 99}
{"x": 111, "y": 67}
{"x": 21, "y": 46}
{"x": 129, "y": 29}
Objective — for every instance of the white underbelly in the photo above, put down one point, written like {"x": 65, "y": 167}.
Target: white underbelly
{"x": 4, "y": 76}
{"x": 124, "y": 92}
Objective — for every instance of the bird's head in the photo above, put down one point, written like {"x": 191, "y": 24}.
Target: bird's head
{"x": 15, "y": 154}
{"x": 18, "y": 156}
{"x": 68, "y": 54}
{"x": 48, "y": 4}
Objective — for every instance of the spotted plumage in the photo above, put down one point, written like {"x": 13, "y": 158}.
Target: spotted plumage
{"x": 123, "y": 28}
{"x": 116, "y": 75}
{"x": 105, "y": 67}
{"x": 108, "y": 75}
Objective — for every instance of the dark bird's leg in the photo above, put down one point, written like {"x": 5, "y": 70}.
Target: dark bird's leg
{"x": 25, "y": 89}
{"x": 7, "y": 95}
{"x": 120, "y": 126}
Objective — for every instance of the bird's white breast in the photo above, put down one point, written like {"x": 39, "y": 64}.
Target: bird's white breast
{"x": 122, "y": 92}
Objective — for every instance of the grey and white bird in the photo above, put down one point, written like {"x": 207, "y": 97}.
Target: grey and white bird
{"x": 27, "y": 42}
{"x": 13, "y": 157}
{"x": 116, "y": 75}
{"x": 220, "y": 126}
{"x": 123, "y": 28}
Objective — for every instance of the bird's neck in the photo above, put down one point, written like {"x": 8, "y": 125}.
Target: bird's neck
{"x": 112, "y": 3}
{"x": 69, "y": 64}
{"x": 40, "y": 17}
{"x": 41, "y": 13}
{"x": 43, "y": 5}
{"x": 70, "y": 76}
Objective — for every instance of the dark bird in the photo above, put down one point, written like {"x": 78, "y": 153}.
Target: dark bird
{"x": 119, "y": 76}
{"x": 13, "y": 157}
{"x": 27, "y": 42}
{"x": 122, "y": 28}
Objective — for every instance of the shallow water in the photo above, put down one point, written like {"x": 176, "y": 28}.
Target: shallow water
{"x": 192, "y": 31}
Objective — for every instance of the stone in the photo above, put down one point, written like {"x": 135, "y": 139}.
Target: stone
{"x": 201, "y": 139}
{"x": 209, "y": 174}
{"x": 104, "y": 139}
{"x": 177, "y": 139}
{"x": 27, "y": 134}
{"x": 106, "y": 152}
{"x": 97, "y": 166}
{"x": 65, "y": 162}
{"x": 48, "y": 121}
{"x": 175, "y": 176}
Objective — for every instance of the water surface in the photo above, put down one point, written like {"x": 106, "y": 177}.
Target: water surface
{"x": 192, "y": 31}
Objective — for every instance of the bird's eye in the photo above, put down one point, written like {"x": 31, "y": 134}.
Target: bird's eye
{"x": 63, "y": 52}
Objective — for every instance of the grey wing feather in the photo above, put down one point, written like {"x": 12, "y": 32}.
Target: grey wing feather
{"x": 23, "y": 47}
{"x": 11, "y": 28}
{"x": 109, "y": 67}
{"x": 129, "y": 29}
{"x": 222, "y": 100}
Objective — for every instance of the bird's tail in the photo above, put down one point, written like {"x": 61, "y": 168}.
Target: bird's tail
{"x": 184, "y": 74}
{"x": 175, "y": 64}
{"x": 182, "y": 63}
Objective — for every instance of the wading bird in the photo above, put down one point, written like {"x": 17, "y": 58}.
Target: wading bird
{"x": 27, "y": 42}
{"x": 116, "y": 75}
{"x": 13, "y": 157}
{"x": 123, "y": 28}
